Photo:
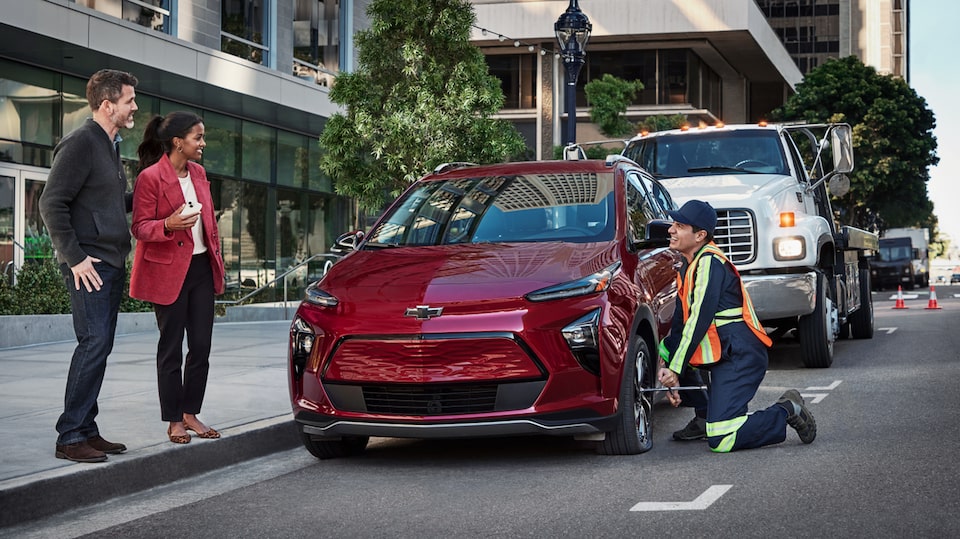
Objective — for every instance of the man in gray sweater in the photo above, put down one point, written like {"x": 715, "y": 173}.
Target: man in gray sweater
{"x": 84, "y": 206}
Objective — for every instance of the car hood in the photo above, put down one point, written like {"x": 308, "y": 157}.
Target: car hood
{"x": 462, "y": 273}
{"x": 727, "y": 190}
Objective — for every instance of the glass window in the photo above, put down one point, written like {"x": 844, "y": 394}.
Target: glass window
{"x": 29, "y": 114}
{"x": 255, "y": 270}
{"x": 222, "y": 154}
{"x": 36, "y": 240}
{"x": 153, "y": 14}
{"x": 147, "y": 108}
{"x": 243, "y": 25}
{"x": 518, "y": 79}
{"x": 7, "y": 190}
{"x": 258, "y": 150}
{"x": 76, "y": 110}
{"x": 293, "y": 159}
{"x": 627, "y": 65}
{"x": 290, "y": 248}
{"x": 226, "y": 201}
{"x": 673, "y": 73}
{"x": 316, "y": 40}
{"x": 318, "y": 181}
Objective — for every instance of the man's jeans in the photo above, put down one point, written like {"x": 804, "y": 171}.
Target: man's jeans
{"x": 95, "y": 323}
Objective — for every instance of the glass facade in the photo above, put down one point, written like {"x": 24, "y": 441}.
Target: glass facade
{"x": 152, "y": 14}
{"x": 274, "y": 206}
{"x": 316, "y": 40}
{"x": 243, "y": 29}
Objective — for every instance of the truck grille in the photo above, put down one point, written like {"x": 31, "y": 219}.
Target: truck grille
{"x": 736, "y": 235}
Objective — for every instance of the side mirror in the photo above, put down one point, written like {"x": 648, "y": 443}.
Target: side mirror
{"x": 842, "y": 148}
{"x": 347, "y": 242}
{"x": 656, "y": 234}
{"x": 839, "y": 185}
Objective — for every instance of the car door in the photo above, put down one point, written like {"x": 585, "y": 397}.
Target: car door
{"x": 648, "y": 200}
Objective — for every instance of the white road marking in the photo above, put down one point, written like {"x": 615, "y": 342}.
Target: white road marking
{"x": 905, "y": 296}
{"x": 813, "y": 398}
{"x": 825, "y": 388}
{"x": 702, "y": 502}
{"x": 888, "y": 330}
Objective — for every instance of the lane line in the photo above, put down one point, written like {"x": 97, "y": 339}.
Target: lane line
{"x": 825, "y": 388}
{"x": 702, "y": 502}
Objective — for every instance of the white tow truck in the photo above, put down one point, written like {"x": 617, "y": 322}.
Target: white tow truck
{"x": 803, "y": 271}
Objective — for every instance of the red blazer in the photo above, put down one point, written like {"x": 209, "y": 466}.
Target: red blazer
{"x": 162, "y": 257}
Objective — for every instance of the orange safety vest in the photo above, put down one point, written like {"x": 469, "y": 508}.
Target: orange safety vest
{"x": 708, "y": 351}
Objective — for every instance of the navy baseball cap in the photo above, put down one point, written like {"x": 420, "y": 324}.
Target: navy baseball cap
{"x": 697, "y": 213}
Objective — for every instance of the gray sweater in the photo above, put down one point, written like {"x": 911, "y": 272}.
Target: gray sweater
{"x": 85, "y": 201}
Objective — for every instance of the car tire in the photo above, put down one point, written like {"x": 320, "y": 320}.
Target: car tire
{"x": 816, "y": 343}
{"x": 862, "y": 321}
{"x": 347, "y": 446}
{"x": 633, "y": 433}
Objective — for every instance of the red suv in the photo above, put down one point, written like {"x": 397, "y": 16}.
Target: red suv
{"x": 499, "y": 300}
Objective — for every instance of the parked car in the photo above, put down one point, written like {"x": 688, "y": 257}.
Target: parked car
{"x": 955, "y": 278}
{"x": 499, "y": 300}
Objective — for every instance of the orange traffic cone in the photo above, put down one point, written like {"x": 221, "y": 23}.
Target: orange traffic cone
{"x": 899, "y": 304}
{"x": 932, "y": 304}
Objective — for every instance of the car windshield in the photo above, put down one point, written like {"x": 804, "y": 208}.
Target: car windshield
{"x": 573, "y": 207}
{"x": 714, "y": 152}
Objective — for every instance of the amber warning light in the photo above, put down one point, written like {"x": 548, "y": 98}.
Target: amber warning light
{"x": 787, "y": 219}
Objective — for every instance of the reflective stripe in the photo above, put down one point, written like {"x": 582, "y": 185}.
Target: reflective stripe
{"x": 728, "y": 429}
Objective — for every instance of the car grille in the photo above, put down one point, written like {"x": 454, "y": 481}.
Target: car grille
{"x": 736, "y": 235}
{"x": 431, "y": 400}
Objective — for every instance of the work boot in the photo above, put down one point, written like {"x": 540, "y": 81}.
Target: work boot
{"x": 696, "y": 429}
{"x": 98, "y": 443}
{"x": 80, "y": 452}
{"x": 798, "y": 416}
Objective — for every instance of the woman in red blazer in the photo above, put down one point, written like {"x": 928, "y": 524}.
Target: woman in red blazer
{"x": 177, "y": 265}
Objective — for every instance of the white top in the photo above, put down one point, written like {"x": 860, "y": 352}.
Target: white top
{"x": 190, "y": 195}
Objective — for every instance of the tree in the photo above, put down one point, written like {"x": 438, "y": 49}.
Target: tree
{"x": 421, "y": 96}
{"x": 609, "y": 97}
{"x": 892, "y": 138}
{"x": 661, "y": 122}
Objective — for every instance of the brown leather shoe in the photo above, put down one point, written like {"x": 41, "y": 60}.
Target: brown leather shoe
{"x": 98, "y": 443}
{"x": 80, "y": 452}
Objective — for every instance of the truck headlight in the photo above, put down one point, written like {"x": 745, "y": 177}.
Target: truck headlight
{"x": 789, "y": 248}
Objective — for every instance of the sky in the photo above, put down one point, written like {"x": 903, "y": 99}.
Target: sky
{"x": 935, "y": 76}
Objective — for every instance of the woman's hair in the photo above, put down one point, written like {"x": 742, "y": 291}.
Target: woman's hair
{"x": 159, "y": 133}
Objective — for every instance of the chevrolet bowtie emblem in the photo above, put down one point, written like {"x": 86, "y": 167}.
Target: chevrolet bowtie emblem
{"x": 423, "y": 312}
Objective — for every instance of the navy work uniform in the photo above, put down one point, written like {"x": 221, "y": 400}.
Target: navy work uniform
{"x": 714, "y": 328}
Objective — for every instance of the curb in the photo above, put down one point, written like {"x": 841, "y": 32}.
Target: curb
{"x": 48, "y": 493}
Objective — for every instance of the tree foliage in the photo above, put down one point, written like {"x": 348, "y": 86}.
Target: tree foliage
{"x": 892, "y": 136}
{"x": 609, "y": 97}
{"x": 661, "y": 122}
{"x": 421, "y": 96}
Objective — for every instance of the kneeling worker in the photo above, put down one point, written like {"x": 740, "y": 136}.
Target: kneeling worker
{"x": 714, "y": 328}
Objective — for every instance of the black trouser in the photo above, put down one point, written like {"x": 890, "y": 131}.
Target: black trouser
{"x": 192, "y": 313}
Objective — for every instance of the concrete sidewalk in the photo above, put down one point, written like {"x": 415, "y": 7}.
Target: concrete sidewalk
{"x": 247, "y": 400}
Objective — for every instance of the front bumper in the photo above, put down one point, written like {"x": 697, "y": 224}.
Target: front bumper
{"x": 567, "y": 424}
{"x": 782, "y": 296}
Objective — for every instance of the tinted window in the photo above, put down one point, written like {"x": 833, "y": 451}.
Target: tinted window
{"x": 715, "y": 152}
{"x": 575, "y": 208}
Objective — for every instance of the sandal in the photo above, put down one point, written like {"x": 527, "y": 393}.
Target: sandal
{"x": 178, "y": 438}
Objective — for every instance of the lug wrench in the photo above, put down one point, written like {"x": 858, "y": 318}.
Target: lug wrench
{"x": 684, "y": 388}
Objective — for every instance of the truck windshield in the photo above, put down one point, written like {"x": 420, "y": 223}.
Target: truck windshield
{"x": 890, "y": 254}
{"x": 708, "y": 153}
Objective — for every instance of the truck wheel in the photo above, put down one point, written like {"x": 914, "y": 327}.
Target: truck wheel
{"x": 861, "y": 321}
{"x": 816, "y": 329}
{"x": 633, "y": 433}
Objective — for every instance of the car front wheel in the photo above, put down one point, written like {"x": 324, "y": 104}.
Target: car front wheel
{"x": 633, "y": 433}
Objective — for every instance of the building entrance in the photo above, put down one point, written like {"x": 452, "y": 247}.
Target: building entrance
{"x": 23, "y": 236}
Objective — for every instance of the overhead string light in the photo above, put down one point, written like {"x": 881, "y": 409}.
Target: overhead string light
{"x": 516, "y": 42}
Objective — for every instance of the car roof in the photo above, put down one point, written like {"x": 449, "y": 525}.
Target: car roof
{"x": 465, "y": 170}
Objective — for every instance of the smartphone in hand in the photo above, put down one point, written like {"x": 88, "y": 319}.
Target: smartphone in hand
{"x": 191, "y": 209}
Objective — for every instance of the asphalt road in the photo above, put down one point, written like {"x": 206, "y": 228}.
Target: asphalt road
{"x": 884, "y": 464}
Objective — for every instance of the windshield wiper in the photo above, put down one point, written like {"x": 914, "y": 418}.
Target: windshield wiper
{"x": 716, "y": 168}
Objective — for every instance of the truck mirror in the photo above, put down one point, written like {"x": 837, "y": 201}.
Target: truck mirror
{"x": 839, "y": 185}
{"x": 842, "y": 146}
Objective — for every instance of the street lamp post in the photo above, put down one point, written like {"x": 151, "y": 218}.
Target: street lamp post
{"x": 573, "y": 30}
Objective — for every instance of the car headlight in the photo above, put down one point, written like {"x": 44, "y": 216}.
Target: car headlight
{"x": 315, "y": 295}
{"x": 302, "y": 338}
{"x": 591, "y": 284}
{"x": 789, "y": 248}
{"x": 583, "y": 338}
